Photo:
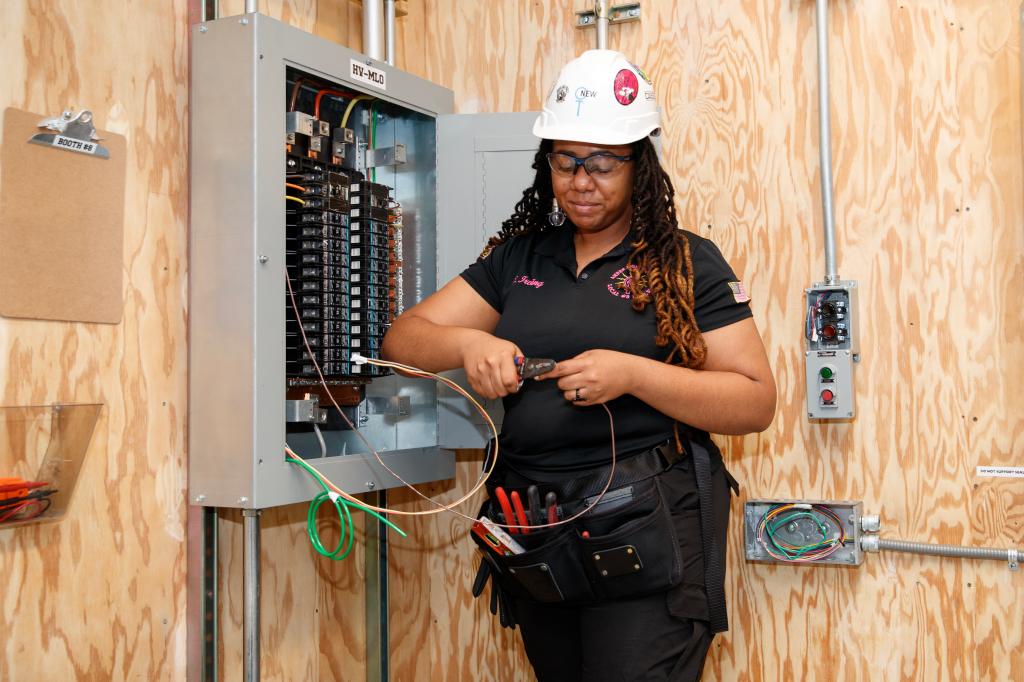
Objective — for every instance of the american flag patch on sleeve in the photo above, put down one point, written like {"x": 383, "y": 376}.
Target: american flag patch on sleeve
{"x": 739, "y": 292}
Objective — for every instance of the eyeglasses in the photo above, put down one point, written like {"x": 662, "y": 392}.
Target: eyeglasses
{"x": 597, "y": 164}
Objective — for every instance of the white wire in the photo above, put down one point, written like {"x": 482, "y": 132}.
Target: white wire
{"x": 320, "y": 439}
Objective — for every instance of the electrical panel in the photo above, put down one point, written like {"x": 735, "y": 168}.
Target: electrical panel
{"x": 805, "y": 531}
{"x": 832, "y": 350}
{"x": 314, "y": 224}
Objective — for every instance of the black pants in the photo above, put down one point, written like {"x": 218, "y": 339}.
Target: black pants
{"x": 637, "y": 640}
{"x": 662, "y": 637}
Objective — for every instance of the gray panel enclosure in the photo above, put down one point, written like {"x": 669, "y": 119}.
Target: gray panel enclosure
{"x": 484, "y": 165}
{"x": 237, "y": 270}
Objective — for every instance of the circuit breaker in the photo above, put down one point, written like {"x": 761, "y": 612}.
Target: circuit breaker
{"x": 832, "y": 350}
{"x": 313, "y": 225}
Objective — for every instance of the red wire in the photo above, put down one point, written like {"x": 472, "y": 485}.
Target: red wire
{"x": 322, "y": 93}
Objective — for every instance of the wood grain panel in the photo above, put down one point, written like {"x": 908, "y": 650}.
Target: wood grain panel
{"x": 927, "y": 145}
{"x": 101, "y": 595}
{"x": 929, "y": 202}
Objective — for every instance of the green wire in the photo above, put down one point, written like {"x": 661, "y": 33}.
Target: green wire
{"x": 341, "y": 505}
{"x": 772, "y": 528}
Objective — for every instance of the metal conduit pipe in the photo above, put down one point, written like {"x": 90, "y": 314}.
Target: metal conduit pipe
{"x": 825, "y": 144}
{"x": 251, "y": 601}
{"x": 373, "y": 15}
{"x": 601, "y": 12}
{"x": 389, "y": 31}
{"x": 252, "y": 6}
{"x": 876, "y": 544}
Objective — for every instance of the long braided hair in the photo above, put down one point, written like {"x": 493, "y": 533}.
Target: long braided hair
{"x": 661, "y": 252}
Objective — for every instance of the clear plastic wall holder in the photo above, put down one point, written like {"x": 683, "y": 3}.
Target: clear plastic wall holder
{"x": 46, "y": 443}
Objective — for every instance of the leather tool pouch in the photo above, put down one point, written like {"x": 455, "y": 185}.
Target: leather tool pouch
{"x": 630, "y": 550}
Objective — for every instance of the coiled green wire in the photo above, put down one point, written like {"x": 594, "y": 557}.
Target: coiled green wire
{"x": 341, "y": 505}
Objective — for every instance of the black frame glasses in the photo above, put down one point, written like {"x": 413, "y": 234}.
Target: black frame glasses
{"x": 588, "y": 166}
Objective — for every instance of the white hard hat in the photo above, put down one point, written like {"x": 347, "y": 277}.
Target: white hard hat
{"x": 600, "y": 98}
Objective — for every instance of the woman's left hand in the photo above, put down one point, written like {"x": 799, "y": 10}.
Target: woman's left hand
{"x": 593, "y": 377}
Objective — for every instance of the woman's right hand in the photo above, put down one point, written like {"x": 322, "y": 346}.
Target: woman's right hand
{"x": 490, "y": 365}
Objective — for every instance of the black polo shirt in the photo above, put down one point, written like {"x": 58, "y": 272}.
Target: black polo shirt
{"x": 550, "y": 313}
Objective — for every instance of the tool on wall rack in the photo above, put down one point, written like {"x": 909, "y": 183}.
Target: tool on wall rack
{"x": 835, "y": 533}
{"x": 831, "y": 323}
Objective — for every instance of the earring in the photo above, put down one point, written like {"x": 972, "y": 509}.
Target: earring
{"x": 556, "y": 217}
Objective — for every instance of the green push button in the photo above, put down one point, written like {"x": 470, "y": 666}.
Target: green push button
{"x": 826, "y": 373}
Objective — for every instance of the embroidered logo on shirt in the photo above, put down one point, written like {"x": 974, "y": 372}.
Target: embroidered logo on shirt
{"x": 527, "y": 281}
{"x": 622, "y": 282}
{"x": 739, "y": 292}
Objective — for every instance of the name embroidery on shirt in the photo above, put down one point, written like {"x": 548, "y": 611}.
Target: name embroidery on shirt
{"x": 622, "y": 281}
{"x": 527, "y": 281}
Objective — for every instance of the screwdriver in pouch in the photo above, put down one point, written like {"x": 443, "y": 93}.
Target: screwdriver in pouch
{"x": 551, "y": 504}
{"x": 533, "y": 498}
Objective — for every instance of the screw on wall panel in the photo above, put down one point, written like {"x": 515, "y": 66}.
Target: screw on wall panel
{"x": 243, "y": 500}
{"x": 200, "y": 499}
{"x": 263, "y": 259}
{"x": 371, "y": 485}
{"x": 243, "y": 21}
{"x": 202, "y": 29}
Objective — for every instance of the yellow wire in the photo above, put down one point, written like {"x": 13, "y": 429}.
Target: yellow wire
{"x": 351, "y": 105}
{"x": 296, "y": 199}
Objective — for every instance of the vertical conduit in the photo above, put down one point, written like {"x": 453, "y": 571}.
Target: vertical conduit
{"x": 251, "y": 588}
{"x": 373, "y": 15}
{"x": 389, "y": 31}
{"x": 825, "y": 144}
{"x": 252, "y": 6}
{"x": 601, "y": 12}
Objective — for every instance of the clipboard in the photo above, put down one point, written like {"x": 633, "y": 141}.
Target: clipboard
{"x": 61, "y": 226}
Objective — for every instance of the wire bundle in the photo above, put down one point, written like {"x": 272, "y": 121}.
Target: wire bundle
{"x": 22, "y": 500}
{"x": 341, "y": 505}
{"x": 782, "y": 515}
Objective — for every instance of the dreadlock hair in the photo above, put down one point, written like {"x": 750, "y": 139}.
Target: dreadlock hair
{"x": 661, "y": 252}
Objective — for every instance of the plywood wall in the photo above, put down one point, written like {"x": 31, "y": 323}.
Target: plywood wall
{"x": 929, "y": 197}
{"x": 927, "y": 141}
{"x": 101, "y": 595}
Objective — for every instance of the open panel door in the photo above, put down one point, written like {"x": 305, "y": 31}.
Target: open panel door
{"x": 484, "y": 162}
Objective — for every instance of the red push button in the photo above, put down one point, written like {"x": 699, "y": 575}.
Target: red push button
{"x": 828, "y": 331}
{"x": 827, "y": 396}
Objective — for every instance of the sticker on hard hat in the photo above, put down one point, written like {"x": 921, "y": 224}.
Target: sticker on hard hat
{"x": 562, "y": 92}
{"x": 626, "y": 87}
{"x": 643, "y": 74}
{"x": 582, "y": 93}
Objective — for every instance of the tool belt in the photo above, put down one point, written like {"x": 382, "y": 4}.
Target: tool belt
{"x": 626, "y": 546}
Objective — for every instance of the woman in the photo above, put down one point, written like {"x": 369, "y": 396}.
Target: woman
{"x": 643, "y": 318}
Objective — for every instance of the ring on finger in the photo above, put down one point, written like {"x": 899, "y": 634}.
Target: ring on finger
{"x": 577, "y": 397}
